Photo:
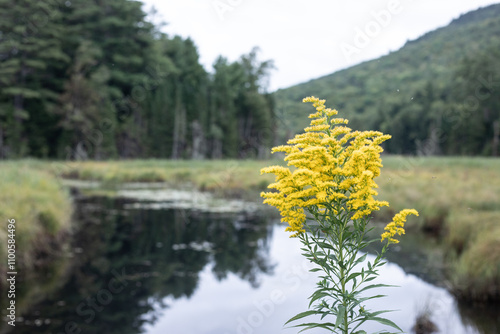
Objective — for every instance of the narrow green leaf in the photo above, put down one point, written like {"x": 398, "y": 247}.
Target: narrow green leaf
{"x": 327, "y": 326}
{"x": 361, "y": 259}
{"x": 374, "y": 314}
{"x": 317, "y": 295}
{"x": 325, "y": 245}
{"x": 333, "y": 257}
{"x": 386, "y": 322}
{"x": 301, "y": 315}
{"x": 352, "y": 276}
{"x": 373, "y": 286}
{"x": 361, "y": 300}
{"x": 340, "y": 317}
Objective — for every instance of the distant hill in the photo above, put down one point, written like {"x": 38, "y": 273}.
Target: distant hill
{"x": 411, "y": 92}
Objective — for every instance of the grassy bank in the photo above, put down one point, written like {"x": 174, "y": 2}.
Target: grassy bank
{"x": 458, "y": 200}
{"x": 42, "y": 211}
{"x": 39, "y": 205}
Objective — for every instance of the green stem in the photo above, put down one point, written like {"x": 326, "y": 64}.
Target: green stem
{"x": 325, "y": 268}
{"x": 342, "y": 276}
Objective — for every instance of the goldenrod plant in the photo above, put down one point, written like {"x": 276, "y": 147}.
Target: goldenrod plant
{"x": 327, "y": 197}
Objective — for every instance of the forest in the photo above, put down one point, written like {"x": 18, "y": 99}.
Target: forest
{"x": 95, "y": 80}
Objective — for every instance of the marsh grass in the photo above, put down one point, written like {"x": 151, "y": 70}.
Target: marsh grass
{"x": 39, "y": 205}
{"x": 42, "y": 210}
{"x": 459, "y": 200}
{"x": 238, "y": 178}
{"x": 476, "y": 270}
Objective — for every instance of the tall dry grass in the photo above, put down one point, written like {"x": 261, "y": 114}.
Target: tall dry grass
{"x": 37, "y": 202}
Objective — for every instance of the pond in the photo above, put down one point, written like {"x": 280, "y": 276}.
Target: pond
{"x": 163, "y": 265}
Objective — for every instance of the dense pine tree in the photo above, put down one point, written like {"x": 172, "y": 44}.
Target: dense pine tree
{"x": 31, "y": 60}
{"x": 95, "y": 80}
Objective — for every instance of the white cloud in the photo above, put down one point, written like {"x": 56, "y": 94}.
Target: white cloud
{"x": 304, "y": 38}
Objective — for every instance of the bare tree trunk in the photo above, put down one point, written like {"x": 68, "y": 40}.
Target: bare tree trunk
{"x": 179, "y": 127}
{"x": 496, "y": 135}
{"x": 198, "y": 152}
{"x": 216, "y": 149}
{"x": 2, "y": 155}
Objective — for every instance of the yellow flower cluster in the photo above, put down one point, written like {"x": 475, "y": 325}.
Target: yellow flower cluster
{"x": 334, "y": 167}
{"x": 397, "y": 225}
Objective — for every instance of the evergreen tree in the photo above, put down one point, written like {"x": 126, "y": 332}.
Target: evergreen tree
{"x": 123, "y": 40}
{"x": 31, "y": 58}
{"x": 223, "y": 135}
{"x": 189, "y": 83}
{"x": 255, "y": 116}
{"x": 84, "y": 103}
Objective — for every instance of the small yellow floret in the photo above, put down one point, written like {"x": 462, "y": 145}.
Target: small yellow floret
{"x": 397, "y": 225}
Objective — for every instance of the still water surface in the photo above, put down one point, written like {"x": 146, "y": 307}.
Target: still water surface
{"x": 233, "y": 306}
{"x": 159, "y": 267}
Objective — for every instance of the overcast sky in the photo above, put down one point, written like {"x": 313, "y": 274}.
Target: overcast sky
{"x": 306, "y": 39}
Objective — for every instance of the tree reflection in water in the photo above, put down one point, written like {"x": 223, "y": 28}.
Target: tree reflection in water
{"x": 127, "y": 261}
